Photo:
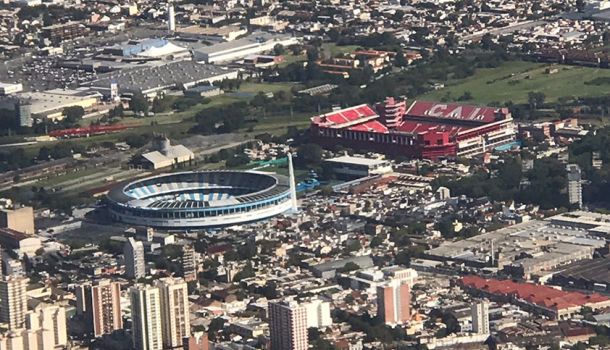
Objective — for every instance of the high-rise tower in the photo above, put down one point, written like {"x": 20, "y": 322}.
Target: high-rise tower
{"x": 293, "y": 187}
{"x": 171, "y": 18}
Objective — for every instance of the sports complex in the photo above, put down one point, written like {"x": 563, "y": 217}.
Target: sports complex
{"x": 201, "y": 199}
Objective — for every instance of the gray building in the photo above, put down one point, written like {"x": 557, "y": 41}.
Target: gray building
{"x": 135, "y": 265}
{"x": 574, "y": 185}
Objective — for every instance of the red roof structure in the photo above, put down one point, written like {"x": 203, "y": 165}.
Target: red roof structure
{"x": 543, "y": 296}
{"x": 435, "y": 111}
{"x": 89, "y": 130}
{"x": 423, "y": 129}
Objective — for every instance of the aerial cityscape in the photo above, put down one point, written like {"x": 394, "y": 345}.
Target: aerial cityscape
{"x": 293, "y": 175}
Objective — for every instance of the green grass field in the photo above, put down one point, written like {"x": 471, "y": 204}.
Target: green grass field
{"x": 333, "y": 50}
{"x": 266, "y": 87}
{"x": 514, "y": 80}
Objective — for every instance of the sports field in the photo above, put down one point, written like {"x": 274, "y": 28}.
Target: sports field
{"x": 514, "y": 80}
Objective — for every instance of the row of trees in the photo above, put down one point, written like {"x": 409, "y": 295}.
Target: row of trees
{"x": 544, "y": 186}
{"x": 221, "y": 119}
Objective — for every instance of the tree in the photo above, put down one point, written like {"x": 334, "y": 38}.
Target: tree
{"x": 309, "y": 154}
{"x": 138, "y": 103}
{"x": 137, "y": 140}
{"x": 353, "y": 246}
{"x": 349, "y": 266}
{"x": 401, "y": 60}
{"x": 580, "y": 5}
{"x": 312, "y": 54}
{"x": 73, "y": 113}
{"x": 487, "y": 41}
{"x": 535, "y": 99}
{"x": 216, "y": 326}
{"x": 376, "y": 241}
{"x": 279, "y": 49}
{"x": 44, "y": 153}
{"x": 247, "y": 272}
{"x": 161, "y": 104}
{"x": 116, "y": 112}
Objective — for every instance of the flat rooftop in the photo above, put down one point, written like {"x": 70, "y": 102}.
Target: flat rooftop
{"x": 256, "y": 38}
{"x": 199, "y": 30}
{"x": 357, "y": 160}
{"x": 590, "y": 270}
{"x": 533, "y": 245}
{"x": 159, "y": 76}
{"x": 57, "y": 99}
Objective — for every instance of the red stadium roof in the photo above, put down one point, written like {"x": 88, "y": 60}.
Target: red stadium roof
{"x": 434, "y": 110}
{"x": 371, "y": 126}
{"x": 544, "y": 296}
{"x": 423, "y": 127}
{"x": 421, "y": 117}
{"x": 345, "y": 117}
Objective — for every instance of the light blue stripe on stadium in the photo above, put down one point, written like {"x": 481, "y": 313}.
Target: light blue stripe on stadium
{"x": 192, "y": 195}
{"x": 151, "y": 189}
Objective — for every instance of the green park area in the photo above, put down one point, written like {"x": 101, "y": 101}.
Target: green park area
{"x": 177, "y": 124}
{"x": 512, "y": 81}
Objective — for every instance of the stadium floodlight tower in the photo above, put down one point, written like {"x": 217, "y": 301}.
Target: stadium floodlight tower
{"x": 293, "y": 189}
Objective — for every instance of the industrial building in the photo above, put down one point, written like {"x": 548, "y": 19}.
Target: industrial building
{"x": 545, "y": 300}
{"x": 50, "y": 104}
{"x": 147, "y": 48}
{"x": 420, "y": 129}
{"x": 153, "y": 80}
{"x": 526, "y": 249}
{"x": 255, "y": 43}
{"x": 225, "y": 33}
{"x": 165, "y": 155}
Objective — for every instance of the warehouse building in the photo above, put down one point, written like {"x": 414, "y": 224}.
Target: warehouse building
{"x": 158, "y": 79}
{"x": 50, "y": 104}
{"x": 533, "y": 248}
{"x": 165, "y": 155}
{"x": 253, "y": 44}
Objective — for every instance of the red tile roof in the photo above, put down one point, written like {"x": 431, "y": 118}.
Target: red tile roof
{"x": 541, "y": 295}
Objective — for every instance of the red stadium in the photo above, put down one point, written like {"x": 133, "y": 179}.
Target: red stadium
{"x": 420, "y": 130}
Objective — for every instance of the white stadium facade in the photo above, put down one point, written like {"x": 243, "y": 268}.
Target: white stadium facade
{"x": 204, "y": 199}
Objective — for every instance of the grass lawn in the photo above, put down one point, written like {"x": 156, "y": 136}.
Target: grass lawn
{"x": 514, "y": 80}
{"x": 269, "y": 124}
{"x": 335, "y": 50}
{"x": 265, "y": 87}
{"x": 290, "y": 58}
{"x": 176, "y": 124}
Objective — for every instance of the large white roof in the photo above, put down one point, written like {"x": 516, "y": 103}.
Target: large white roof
{"x": 164, "y": 50}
